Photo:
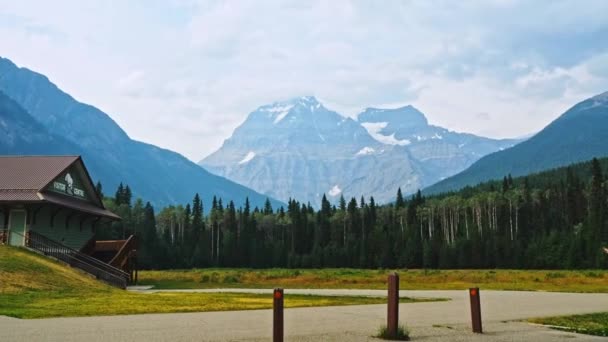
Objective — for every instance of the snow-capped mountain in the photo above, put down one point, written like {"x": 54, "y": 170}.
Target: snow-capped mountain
{"x": 440, "y": 151}
{"x": 300, "y": 149}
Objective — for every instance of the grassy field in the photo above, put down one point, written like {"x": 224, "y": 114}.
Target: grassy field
{"x": 564, "y": 281}
{"x": 592, "y": 324}
{"x": 32, "y": 286}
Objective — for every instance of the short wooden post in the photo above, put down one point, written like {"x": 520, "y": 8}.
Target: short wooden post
{"x": 277, "y": 325}
{"x": 392, "y": 318}
{"x": 475, "y": 310}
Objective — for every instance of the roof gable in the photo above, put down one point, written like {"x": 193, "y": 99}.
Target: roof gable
{"x": 74, "y": 182}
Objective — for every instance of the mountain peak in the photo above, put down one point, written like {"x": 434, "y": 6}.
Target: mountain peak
{"x": 278, "y": 111}
{"x": 406, "y": 116}
{"x": 307, "y": 99}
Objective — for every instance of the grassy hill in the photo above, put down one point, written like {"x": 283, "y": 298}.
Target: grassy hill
{"x": 32, "y": 286}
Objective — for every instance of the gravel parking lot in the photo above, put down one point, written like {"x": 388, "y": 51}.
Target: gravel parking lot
{"x": 430, "y": 321}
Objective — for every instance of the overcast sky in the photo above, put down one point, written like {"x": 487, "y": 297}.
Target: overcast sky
{"x": 184, "y": 74}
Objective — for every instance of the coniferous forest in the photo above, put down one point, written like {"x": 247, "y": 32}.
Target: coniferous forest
{"x": 554, "y": 219}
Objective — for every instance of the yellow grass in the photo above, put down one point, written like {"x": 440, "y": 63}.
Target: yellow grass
{"x": 534, "y": 280}
{"x": 32, "y": 286}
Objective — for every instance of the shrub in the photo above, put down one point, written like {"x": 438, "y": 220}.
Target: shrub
{"x": 403, "y": 334}
{"x": 592, "y": 274}
{"x": 231, "y": 279}
{"x": 555, "y": 275}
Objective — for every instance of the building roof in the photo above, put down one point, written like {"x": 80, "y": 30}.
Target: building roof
{"x": 24, "y": 179}
{"x": 31, "y": 172}
{"x": 13, "y": 195}
{"x": 78, "y": 205}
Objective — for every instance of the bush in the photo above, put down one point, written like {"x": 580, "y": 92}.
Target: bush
{"x": 231, "y": 279}
{"x": 403, "y": 334}
{"x": 555, "y": 275}
{"x": 592, "y": 274}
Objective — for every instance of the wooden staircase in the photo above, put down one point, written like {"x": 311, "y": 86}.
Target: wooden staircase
{"x": 121, "y": 254}
{"x": 97, "y": 268}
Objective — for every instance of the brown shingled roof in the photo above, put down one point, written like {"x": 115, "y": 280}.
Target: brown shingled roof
{"x": 18, "y": 195}
{"x": 23, "y": 179}
{"x": 31, "y": 172}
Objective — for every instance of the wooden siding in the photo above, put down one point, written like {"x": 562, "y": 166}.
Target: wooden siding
{"x": 71, "y": 236}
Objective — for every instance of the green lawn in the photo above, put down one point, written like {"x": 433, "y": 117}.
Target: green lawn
{"x": 32, "y": 286}
{"x": 592, "y": 324}
{"x": 533, "y": 280}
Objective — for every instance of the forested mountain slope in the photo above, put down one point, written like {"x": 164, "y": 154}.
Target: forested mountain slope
{"x": 158, "y": 175}
{"x": 581, "y": 133}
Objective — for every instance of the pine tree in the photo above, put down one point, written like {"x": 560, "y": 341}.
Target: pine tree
{"x": 247, "y": 207}
{"x": 119, "y": 196}
{"x": 127, "y": 196}
{"x": 342, "y": 203}
{"x": 99, "y": 189}
{"x": 197, "y": 214}
{"x": 267, "y": 207}
{"x": 597, "y": 204}
{"x": 399, "y": 203}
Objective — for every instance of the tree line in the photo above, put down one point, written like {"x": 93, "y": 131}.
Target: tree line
{"x": 554, "y": 219}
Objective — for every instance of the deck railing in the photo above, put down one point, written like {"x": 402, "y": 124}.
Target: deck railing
{"x": 74, "y": 258}
{"x": 124, "y": 253}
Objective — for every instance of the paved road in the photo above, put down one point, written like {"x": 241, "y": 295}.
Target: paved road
{"x": 434, "y": 321}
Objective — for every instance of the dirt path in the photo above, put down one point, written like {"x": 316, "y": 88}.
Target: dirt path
{"x": 433, "y": 321}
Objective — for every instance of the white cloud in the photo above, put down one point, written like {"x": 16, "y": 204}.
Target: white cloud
{"x": 184, "y": 74}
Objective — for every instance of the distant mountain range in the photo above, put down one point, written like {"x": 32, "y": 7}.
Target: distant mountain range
{"x": 300, "y": 149}
{"x": 36, "y": 117}
{"x": 580, "y": 134}
{"x": 290, "y": 149}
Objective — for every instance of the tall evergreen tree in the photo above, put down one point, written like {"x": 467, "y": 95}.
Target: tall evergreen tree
{"x": 99, "y": 189}
{"x": 127, "y": 196}
{"x": 119, "y": 196}
{"x": 400, "y": 202}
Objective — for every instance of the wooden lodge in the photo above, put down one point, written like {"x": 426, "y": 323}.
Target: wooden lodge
{"x": 49, "y": 204}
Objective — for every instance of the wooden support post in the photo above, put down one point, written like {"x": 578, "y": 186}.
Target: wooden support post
{"x": 392, "y": 318}
{"x": 475, "y": 310}
{"x": 277, "y": 325}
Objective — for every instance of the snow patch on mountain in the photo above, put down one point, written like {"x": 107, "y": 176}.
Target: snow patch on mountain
{"x": 335, "y": 191}
{"x": 374, "y": 129}
{"x": 247, "y": 158}
{"x": 365, "y": 151}
{"x": 279, "y": 112}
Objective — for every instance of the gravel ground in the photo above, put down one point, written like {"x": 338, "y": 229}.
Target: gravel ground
{"x": 432, "y": 321}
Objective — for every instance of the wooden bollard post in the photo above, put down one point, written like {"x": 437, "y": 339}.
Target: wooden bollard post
{"x": 392, "y": 318}
{"x": 475, "y": 310}
{"x": 277, "y": 324}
